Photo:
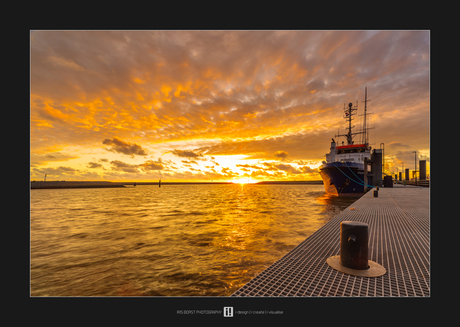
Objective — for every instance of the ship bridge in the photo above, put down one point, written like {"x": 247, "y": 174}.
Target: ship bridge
{"x": 348, "y": 153}
{"x": 352, "y": 148}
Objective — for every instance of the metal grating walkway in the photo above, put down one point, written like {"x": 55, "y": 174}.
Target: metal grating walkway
{"x": 399, "y": 240}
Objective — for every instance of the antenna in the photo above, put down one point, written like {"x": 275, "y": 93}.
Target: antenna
{"x": 366, "y": 128}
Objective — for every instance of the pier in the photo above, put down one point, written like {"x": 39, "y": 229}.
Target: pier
{"x": 399, "y": 240}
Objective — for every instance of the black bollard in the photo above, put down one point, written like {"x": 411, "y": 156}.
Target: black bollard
{"x": 354, "y": 240}
{"x": 376, "y": 193}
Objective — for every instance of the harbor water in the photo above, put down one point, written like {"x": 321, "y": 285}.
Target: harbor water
{"x": 174, "y": 240}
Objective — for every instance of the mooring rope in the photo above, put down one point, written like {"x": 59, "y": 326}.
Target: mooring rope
{"x": 350, "y": 177}
{"x": 365, "y": 184}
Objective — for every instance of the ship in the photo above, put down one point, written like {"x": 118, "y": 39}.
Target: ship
{"x": 343, "y": 171}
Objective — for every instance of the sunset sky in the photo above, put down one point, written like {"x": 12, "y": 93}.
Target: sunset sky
{"x": 220, "y": 105}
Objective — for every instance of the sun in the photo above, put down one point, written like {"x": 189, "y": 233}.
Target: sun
{"x": 243, "y": 181}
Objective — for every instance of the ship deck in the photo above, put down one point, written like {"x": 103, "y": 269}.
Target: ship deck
{"x": 399, "y": 240}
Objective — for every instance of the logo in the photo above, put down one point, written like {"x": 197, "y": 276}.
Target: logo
{"x": 228, "y": 311}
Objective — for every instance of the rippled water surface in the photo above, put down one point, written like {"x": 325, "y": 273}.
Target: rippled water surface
{"x": 177, "y": 240}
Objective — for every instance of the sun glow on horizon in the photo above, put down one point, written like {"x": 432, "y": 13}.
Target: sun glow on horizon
{"x": 243, "y": 181}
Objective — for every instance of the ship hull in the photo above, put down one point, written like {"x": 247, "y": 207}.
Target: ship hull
{"x": 342, "y": 179}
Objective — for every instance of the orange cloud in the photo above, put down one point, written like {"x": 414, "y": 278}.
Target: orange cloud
{"x": 281, "y": 154}
{"x": 123, "y": 147}
{"x": 53, "y": 113}
{"x": 222, "y": 92}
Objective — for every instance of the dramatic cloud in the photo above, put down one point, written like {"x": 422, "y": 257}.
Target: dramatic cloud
{"x": 228, "y": 173}
{"x": 288, "y": 168}
{"x": 281, "y": 154}
{"x": 93, "y": 165}
{"x": 308, "y": 170}
{"x": 151, "y": 165}
{"x": 398, "y": 144}
{"x": 261, "y": 95}
{"x": 186, "y": 154}
{"x": 37, "y": 159}
{"x": 118, "y": 165}
{"x": 249, "y": 166}
{"x": 120, "y": 146}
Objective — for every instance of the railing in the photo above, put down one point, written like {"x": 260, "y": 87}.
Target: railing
{"x": 425, "y": 182}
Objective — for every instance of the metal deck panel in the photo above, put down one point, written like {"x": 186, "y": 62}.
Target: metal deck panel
{"x": 399, "y": 240}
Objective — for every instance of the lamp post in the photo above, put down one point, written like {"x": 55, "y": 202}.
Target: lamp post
{"x": 415, "y": 166}
{"x": 383, "y": 155}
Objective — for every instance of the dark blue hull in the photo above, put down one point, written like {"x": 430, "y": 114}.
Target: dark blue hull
{"x": 341, "y": 178}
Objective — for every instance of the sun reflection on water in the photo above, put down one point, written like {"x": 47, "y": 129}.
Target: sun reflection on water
{"x": 170, "y": 241}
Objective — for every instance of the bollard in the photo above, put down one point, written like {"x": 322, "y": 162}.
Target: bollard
{"x": 353, "y": 258}
{"x": 376, "y": 193}
{"x": 354, "y": 245}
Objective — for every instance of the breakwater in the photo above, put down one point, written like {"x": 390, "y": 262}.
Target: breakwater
{"x": 63, "y": 184}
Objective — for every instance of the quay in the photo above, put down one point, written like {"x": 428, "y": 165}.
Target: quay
{"x": 399, "y": 240}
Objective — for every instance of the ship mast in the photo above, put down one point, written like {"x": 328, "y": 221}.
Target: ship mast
{"x": 347, "y": 114}
{"x": 351, "y": 111}
{"x": 366, "y": 141}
